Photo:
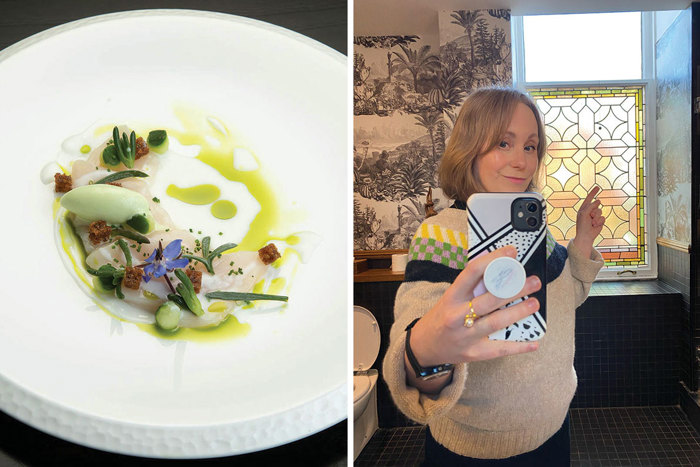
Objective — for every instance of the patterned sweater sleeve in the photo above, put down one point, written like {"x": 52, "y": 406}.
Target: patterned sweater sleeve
{"x": 436, "y": 257}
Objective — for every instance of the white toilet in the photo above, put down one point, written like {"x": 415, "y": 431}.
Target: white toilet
{"x": 364, "y": 380}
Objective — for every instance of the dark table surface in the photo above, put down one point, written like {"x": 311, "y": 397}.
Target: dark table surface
{"x": 322, "y": 20}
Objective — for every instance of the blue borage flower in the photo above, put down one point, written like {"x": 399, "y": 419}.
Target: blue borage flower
{"x": 164, "y": 260}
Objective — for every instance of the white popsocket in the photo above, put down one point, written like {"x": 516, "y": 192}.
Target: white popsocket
{"x": 504, "y": 277}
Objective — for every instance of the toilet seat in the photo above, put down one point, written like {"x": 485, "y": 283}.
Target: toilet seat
{"x": 366, "y": 339}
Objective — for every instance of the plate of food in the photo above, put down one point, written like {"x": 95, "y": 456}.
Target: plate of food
{"x": 176, "y": 263}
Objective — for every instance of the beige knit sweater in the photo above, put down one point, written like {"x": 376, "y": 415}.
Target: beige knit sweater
{"x": 496, "y": 408}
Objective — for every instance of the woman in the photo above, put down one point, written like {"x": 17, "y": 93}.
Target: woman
{"x": 500, "y": 403}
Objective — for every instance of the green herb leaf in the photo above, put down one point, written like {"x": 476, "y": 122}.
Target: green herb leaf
{"x": 244, "y": 296}
{"x": 179, "y": 300}
{"x": 125, "y": 147}
{"x": 125, "y": 249}
{"x": 130, "y": 235}
{"x": 186, "y": 290}
{"x": 139, "y": 223}
{"x": 204, "y": 261}
{"x": 222, "y": 248}
{"x": 110, "y": 278}
{"x": 123, "y": 174}
{"x": 208, "y": 256}
{"x": 156, "y": 137}
{"x": 120, "y": 295}
{"x": 205, "y": 246}
{"x": 110, "y": 156}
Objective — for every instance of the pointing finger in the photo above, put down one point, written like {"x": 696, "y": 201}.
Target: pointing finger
{"x": 591, "y": 194}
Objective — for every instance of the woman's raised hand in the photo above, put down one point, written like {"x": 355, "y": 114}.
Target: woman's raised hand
{"x": 589, "y": 222}
{"x": 441, "y": 336}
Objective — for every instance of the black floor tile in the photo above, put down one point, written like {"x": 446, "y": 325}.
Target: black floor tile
{"x": 627, "y": 436}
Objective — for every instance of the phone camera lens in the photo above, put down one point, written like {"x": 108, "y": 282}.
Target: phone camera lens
{"x": 531, "y": 221}
{"x": 532, "y": 207}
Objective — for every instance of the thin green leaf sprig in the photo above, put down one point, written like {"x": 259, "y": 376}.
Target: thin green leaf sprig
{"x": 244, "y": 296}
{"x": 208, "y": 256}
{"x": 121, "y": 150}
{"x": 120, "y": 175}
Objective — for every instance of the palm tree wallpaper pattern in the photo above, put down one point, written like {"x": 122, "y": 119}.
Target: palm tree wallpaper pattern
{"x": 406, "y": 98}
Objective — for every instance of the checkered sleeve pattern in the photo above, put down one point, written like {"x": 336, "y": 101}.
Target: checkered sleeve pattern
{"x": 439, "y": 245}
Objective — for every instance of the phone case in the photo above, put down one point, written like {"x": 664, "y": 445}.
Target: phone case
{"x": 490, "y": 228}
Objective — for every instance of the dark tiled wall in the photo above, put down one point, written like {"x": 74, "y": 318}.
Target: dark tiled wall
{"x": 627, "y": 350}
{"x": 674, "y": 269}
{"x": 627, "y": 345}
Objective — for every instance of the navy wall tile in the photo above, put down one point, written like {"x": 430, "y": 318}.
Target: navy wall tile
{"x": 627, "y": 350}
{"x": 674, "y": 269}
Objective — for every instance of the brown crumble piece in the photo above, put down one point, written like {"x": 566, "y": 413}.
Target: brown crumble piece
{"x": 99, "y": 232}
{"x": 132, "y": 277}
{"x": 195, "y": 278}
{"x": 141, "y": 147}
{"x": 269, "y": 254}
{"x": 64, "y": 183}
{"x": 114, "y": 184}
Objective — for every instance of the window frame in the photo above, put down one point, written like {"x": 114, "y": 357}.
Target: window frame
{"x": 650, "y": 271}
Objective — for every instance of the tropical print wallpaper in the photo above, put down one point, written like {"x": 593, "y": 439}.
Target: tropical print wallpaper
{"x": 406, "y": 97}
{"x": 673, "y": 131}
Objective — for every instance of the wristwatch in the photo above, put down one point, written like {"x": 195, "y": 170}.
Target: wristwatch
{"x": 424, "y": 373}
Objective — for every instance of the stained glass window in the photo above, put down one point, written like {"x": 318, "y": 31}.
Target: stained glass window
{"x": 595, "y": 136}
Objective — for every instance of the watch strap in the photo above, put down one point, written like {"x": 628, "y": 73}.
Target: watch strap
{"x": 423, "y": 373}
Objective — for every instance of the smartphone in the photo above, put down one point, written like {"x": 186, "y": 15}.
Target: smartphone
{"x": 519, "y": 219}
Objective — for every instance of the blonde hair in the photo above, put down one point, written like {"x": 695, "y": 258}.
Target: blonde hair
{"x": 483, "y": 120}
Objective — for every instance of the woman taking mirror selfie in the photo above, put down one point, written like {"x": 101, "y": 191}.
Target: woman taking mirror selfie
{"x": 485, "y": 401}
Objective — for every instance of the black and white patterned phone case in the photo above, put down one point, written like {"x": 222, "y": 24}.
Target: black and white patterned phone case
{"x": 490, "y": 228}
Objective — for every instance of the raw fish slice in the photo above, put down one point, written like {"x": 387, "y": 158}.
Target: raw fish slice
{"x": 253, "y": 270}
{"x": 80, "y": 168}
{"x": 160, "y": 215}
{"x": 90, "y": 177}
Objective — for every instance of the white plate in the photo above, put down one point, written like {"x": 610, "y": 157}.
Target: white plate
{"x": 70, "y": 369}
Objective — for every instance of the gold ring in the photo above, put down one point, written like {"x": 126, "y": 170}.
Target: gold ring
{"x": 471, "y": 316}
